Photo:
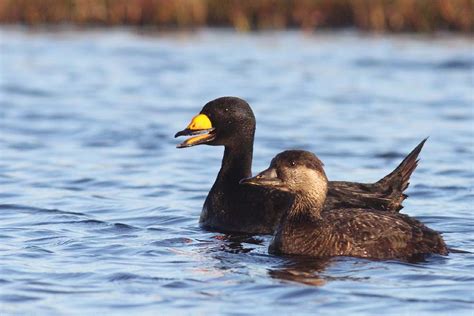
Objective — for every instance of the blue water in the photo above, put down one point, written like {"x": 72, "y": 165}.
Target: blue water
{"x": 99, "y": 211}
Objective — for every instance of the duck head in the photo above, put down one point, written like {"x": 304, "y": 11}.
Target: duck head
{"x": 298, "y": 172}
{"x": 225, "y": 121}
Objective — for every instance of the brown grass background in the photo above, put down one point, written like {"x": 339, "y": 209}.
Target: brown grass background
{"x": 245, "y": 15}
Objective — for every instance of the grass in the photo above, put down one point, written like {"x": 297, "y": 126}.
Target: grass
{"x": 246, "y": 15}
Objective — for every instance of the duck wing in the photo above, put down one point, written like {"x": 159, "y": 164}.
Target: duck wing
{"x": 373, "y": 234}
{"x": 384, "y": 195}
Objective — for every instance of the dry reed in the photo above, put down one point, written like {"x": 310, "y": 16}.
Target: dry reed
{"x": 244, "y": 15}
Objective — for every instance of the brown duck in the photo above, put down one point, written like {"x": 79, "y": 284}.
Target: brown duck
{"x": 305, "y": 229}
{"x": 229, "y": 207}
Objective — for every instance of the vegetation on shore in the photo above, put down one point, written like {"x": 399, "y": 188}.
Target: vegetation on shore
{"x": 244, "y": 15}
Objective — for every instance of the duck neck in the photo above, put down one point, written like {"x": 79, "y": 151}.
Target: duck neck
{"x": 237, "y": 163}
{"x": 305, "y": 209}
{"x": 308, "y": 206}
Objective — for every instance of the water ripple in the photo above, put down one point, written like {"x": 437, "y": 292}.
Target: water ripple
{"x": 99, "y": 211}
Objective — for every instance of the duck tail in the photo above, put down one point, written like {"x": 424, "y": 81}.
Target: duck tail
{"x": 399, "y": 179}
{"x": 454, "y": 250}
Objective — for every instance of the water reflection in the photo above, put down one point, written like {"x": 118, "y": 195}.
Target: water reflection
{"x": 303, "y": 270}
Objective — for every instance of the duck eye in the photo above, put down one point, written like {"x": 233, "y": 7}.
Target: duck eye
{"x": 293, "y": 163}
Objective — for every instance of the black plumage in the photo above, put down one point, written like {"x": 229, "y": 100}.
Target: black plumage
{"x": 385, "y": 194}
{"x": 230, "y": 122}
{"x": 305, "y": 229}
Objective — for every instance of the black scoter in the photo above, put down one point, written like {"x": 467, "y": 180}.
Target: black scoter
{"x": 306, "y": 230}
{"x": 230, "y": 122}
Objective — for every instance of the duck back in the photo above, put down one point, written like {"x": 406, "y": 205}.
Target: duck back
{"x": 387, "y": 194}
{"x": 358, "y": 233}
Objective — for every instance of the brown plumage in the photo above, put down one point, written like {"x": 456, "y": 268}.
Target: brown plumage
{"x": 305, "y": 229}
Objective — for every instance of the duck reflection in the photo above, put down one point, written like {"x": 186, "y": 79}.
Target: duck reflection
{"x": 305, "y": 270}
{"x": 311, "y": 271}
{"x": 238, "y": 243}
{"x": 301, "y": 269}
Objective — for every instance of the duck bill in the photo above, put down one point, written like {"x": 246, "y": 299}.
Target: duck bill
{"x": 268, "y": 179}
{"x": 200, "y": 128}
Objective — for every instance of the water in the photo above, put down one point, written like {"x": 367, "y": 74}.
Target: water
{"x": 99, "y": 210}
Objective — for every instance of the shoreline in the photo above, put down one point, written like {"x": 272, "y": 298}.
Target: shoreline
{"x": 156, "y": 31}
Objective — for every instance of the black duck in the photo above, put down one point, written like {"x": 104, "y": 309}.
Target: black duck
{"x": 230, "y": 122}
